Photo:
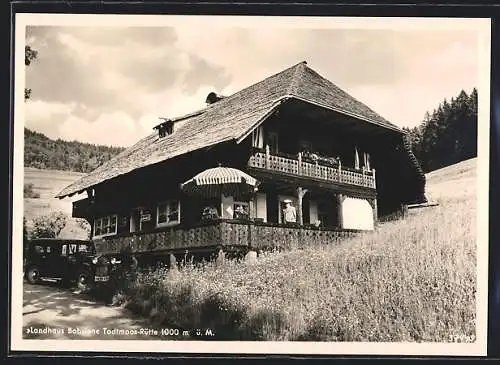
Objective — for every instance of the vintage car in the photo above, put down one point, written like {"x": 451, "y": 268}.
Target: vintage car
{"x": 67, "y": 261}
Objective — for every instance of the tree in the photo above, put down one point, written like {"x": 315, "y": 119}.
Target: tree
{"x": 49, "y": 225}
{"x": 84, "y": 225}
{"x": 29, "y": 56}
{"x": 447, "y": 135}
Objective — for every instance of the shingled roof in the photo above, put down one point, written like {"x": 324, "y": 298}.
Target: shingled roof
{"x": 230, "y": 118}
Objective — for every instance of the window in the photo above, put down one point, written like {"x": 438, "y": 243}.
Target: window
{"x": 168, "y": 213}
{"x": 105, "y": 226}
{"x": 241, "y": 210}
{"x": 272, "y": 141}
{"x": 165, "y": 128}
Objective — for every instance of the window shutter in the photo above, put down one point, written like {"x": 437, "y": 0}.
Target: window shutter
{"x": 356, "y": 158}
{"x": 367, "y": 161}
{"x": 258, "y": 137}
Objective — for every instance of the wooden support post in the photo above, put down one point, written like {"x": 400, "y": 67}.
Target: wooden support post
{"x": 340, "y": 171}
{"x": 249, "y": 234}
{"x": 375, "y": 210}
{"x": 404, "y": 211}
{"x": 267, "y": 156}
{"x": 374, "y": 180}
{"x": 251, "y": 208}
{"x": 340, "y": 199}
{"x": 300, "y": 195}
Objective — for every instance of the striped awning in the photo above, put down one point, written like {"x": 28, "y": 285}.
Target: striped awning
{"x": 220, "y": 180}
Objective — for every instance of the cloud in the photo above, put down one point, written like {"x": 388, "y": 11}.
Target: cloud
{"x": 117, "y": 124}
{"x": 107, "y": 70}
{"x": 110, "y": 84}
{"x": 46, "y": 117}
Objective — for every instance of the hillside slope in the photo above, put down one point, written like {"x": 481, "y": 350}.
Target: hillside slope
{"x": 44, "y": 153}
{"x": 451, "y": 182}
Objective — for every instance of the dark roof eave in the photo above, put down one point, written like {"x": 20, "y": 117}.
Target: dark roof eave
{"x": 62, "y": 195}
{"x": 354, "y": 115}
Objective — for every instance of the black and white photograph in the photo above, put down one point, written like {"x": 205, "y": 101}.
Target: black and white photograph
{"x": 239, "y": 184}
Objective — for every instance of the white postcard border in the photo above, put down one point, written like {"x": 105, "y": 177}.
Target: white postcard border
{"x": 483, "y": 28}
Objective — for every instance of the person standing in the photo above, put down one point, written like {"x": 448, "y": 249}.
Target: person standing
{"x": 289, "y": 213}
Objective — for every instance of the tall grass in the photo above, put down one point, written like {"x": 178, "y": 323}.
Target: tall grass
{"x": 412, "y": 280}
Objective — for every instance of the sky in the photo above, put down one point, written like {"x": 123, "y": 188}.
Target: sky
{"x": 110, "y": 85}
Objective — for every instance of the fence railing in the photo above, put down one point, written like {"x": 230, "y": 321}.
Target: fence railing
{"x": 316, "y": 170}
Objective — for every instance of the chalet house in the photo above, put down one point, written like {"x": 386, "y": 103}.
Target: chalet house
{"x": 303, "y": 139}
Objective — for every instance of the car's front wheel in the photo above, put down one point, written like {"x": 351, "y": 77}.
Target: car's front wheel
{"x": 33, "y": 275}
{"x": 84, "y": 280}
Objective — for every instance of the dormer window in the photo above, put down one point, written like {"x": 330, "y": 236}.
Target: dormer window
{"x": 166, "y": 128}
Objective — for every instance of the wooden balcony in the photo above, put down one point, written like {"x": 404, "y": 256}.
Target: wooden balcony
{"x": 296, "y": 166}
{"x": 220, "y": 233}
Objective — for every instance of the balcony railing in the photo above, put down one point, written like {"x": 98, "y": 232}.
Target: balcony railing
{"x": 318, "y": 170}
{"x": 221, "y": 233}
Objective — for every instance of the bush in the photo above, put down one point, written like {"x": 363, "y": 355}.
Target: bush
{"x": 84, "y": 225}
{"x": 49, "y": 225}
{"x": 28, "y": 191}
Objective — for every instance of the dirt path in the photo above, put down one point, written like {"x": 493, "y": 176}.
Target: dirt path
{"x": 50, "y": 308}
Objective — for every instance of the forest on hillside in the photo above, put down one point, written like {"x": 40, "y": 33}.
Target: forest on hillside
{"x": 44, "y": 153}
{"x": 447, "y": 135}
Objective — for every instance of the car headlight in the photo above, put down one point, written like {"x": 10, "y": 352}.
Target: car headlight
{"x": 114, "y": 261}
{"x": 95, "y": 260}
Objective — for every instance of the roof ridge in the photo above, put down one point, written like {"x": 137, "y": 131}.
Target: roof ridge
{"x": 295, "y": 78}
{"x": 263, "y": 80}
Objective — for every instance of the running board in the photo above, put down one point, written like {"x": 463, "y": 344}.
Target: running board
{"x": 423, "y": 205}
{"x": 52, "y": 280}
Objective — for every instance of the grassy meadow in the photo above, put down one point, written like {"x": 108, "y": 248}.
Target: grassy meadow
{"x": 411, "y": 280}
{"x": 47, "y": 183}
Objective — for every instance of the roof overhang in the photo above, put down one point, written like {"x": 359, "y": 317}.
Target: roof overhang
{"x": 281, "y": 100}
{"x": 82, "y": 190}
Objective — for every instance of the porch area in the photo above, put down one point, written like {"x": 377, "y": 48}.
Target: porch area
{"x": 225, "y": 234}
